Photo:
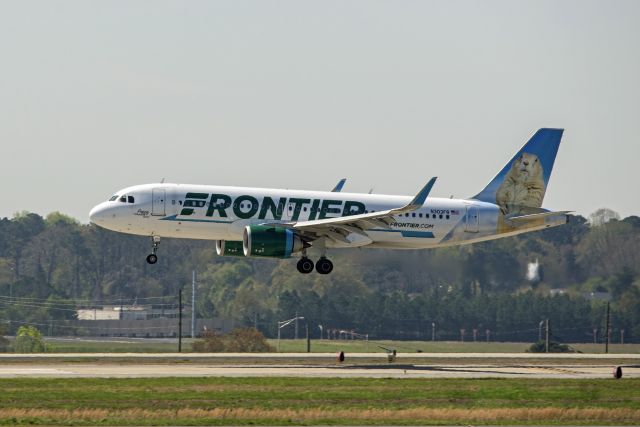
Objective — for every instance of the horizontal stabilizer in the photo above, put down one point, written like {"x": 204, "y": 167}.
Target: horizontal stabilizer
{"x": 533, "y": 217}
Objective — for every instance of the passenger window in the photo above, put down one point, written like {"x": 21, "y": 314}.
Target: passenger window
{"x": 440, "y": 216}
{"x": 420, "y": 215}
{"x": 130, "y": 199}
{"x": 406, "y": 214}
{"x": 447, "y": 216}
{"x": 413, "y": 214}
{"x": 304, "y": 208}
{"x": 433, "y": 216}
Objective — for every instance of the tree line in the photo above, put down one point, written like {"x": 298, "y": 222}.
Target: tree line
{"x": 498, "y": 290}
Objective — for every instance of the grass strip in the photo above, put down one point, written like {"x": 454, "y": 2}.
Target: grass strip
{"x": 317, "y": 401}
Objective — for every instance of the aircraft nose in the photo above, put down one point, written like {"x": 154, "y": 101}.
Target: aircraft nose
{"x": 98, "y": 214}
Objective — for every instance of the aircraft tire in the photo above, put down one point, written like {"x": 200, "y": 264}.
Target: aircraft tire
{"x": 305, "y": 265}
{"x": 152, "y": 258}
{"x": 324, "y": 266}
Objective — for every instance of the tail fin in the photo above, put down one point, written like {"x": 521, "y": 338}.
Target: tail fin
{"x": 521, "y": 184}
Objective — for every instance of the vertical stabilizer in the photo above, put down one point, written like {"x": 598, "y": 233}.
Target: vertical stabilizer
{"x": 521, "y": 184}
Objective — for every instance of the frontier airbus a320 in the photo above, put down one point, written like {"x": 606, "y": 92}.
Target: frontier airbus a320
{"x": 281, "y": 223}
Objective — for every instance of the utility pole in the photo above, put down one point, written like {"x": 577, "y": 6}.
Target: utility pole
{"x": 308, "y": 338}
{"x": 180, "y": 321}
{"x": 546, "y": 338}
{"x": 193, "y": 304}
{"x": 607, "y": 330}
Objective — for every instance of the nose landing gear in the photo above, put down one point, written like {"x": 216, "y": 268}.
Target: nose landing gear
{"x": 152, "y": 258}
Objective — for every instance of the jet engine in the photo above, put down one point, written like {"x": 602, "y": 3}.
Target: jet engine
{"x": 271, "y": 241}
{"x": 229, "y": 248}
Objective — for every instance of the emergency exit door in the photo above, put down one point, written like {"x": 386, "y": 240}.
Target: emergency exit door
{"x": 472, "y": 219}
{"x": 158, "y": 202}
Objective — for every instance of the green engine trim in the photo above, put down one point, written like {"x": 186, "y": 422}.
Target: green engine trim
{"x": 229, "y": 248}
{"x": 269, "y": 241}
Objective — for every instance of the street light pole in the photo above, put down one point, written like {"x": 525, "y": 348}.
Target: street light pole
{"x": 13, "y": 278}
{"x": 180, "y": 320}
{"x": 193, "y": 304}
{"x": 282, "y": 324}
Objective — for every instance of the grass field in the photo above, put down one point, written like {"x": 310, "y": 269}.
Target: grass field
{"x": 315, "y": 401}
{"x": 321, "y": 346}
{"x": 94, "y": 345}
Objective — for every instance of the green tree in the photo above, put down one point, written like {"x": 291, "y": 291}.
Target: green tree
{"x": 4, "y": 342}
{"x": 29, "y": 340}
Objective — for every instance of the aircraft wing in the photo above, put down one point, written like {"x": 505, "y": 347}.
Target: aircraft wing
{"x": 339, "y": 229}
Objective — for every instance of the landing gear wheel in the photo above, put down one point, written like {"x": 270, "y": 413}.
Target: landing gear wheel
{"x": 152, "y": 258}
{"x": 305, "y": 265}
{"x": 324, "y": 266}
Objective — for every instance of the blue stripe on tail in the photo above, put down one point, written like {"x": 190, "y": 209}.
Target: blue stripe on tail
{"x": 523, "y": 181}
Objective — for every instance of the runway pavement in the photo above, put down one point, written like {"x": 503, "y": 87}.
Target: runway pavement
{"x": 360, "y": 365}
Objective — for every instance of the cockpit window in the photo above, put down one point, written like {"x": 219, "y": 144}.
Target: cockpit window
{"x": 114, "y": 197}
{"x": 123, "y": 199}
{"x": 130, "y": 199}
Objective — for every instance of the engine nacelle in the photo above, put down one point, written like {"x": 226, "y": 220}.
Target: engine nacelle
{"x": 270, "y": 241}
{"x": 229, "y": 248}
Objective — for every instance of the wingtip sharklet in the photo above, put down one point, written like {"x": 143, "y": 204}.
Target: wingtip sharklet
{"x": 339, "y": 185}
{"x": 421, "y": 197}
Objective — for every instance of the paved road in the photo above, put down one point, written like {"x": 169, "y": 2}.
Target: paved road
{"x": 394, "y": 370}
{"x": 322, "y": 356}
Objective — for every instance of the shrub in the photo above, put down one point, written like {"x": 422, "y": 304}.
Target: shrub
{"x": 247, "y": 340}
{"x": 243, "y": 340}
{"x": 29, "y": 340}
{"x": 554, "y": 347}
{"x": 4, "y": 342}
{"x": 211, "y": 342}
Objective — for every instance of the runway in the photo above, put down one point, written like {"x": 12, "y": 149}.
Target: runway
{"x": 317, "y": 365}
{"x": 351, "y": 371}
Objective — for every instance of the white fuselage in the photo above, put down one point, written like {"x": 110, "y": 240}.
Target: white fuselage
{"x": 222, "y": 213}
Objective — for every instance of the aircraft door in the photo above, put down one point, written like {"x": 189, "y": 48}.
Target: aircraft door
{"x": 472, "y": 219}
{"x": 159, "y": 198}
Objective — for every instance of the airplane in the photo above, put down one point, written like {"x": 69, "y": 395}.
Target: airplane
{"x": 278, "y": 223}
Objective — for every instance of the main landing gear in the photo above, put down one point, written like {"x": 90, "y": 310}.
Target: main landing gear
{"x": 323, "y": 265}
{"x": 305, "y": 265}
{"x": 152, "y": 258}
